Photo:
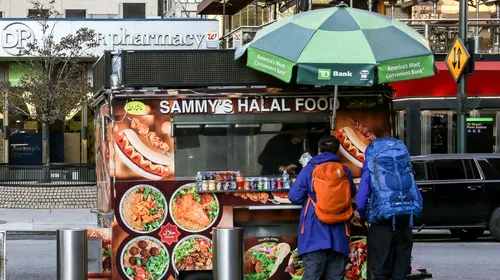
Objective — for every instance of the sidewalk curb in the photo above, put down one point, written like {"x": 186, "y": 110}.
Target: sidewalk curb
{"x": 14, "y": 232}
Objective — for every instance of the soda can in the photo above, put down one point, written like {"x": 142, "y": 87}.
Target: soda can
{"x": 267, "y": 184}
{"x": 260, "y": 184}
{"x": 247, "y": 185}
{"x": 253, "y": 184}
{"x": 279, "y": 183}
{"x": 273, "y": 184}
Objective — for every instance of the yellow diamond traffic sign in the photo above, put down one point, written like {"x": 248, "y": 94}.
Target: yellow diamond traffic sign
{"x": 457, "y": 58}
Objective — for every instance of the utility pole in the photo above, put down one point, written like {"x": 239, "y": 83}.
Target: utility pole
{"x": 462, "y": 85}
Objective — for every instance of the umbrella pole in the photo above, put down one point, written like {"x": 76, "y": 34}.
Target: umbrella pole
{"x": 334, "y": 109}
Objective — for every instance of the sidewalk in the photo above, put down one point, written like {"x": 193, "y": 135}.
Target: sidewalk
{"x": 43, "y": 220}
{"x": 19, "y": 197}
{"x": 42, "y": 209}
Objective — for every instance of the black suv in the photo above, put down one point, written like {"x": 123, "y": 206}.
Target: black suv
{"x": 461, "y": 193}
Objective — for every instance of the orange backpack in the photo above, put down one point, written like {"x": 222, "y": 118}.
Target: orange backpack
{"x": 333, "y": 194}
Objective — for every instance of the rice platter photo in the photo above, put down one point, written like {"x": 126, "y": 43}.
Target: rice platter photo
{"x": 145, "y": 258}
{"x": 193, "y": 212}
{"x": 143, "y": 208}
{"x": 193, "y": 252}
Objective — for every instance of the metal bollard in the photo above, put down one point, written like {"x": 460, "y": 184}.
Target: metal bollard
{"x": 72, "y": 254}
{"x": 3, "y": 268}
{"x": 228, "y": 253}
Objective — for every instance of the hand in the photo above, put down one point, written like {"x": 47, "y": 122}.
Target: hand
{"x": 291, "y": 168}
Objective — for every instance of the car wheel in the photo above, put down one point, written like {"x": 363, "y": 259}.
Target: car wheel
{"x": 494, "y": 224}
{"x": 469, "y": 234}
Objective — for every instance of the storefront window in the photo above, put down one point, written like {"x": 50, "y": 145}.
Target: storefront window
{"x": 239, "y": 143}
{"x": 439, "y": 133}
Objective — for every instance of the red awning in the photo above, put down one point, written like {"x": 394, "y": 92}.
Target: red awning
{"x": 485, "y": 81}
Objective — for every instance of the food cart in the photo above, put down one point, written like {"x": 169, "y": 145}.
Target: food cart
{"x": 177, "y": 160}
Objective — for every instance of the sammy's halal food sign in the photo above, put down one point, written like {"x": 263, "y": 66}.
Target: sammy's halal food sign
{"x": 114, "y": 34}
{"x": 227, "y": 106}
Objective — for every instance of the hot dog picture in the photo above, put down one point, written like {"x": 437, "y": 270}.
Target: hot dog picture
{"x": 140, "y": 158}
{"x": 352, "y": 146}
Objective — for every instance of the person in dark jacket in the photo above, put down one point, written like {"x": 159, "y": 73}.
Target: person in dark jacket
{"x": 282, "y": 152}
{"x": 389, "y": 250}
{"x": 323, "y": 248}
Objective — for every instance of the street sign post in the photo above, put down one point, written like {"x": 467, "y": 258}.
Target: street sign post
{"x": 462, "y": 81}
{"x": 457, "y": 59}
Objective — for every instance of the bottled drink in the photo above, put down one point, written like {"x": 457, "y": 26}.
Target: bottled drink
{"x": 199, "y": 180}
{"x": 218, "y": 181}
{"x": 211, "y": 182}
{"x": 227, "y": 181}
{"x": 204, "y": 182}
{"x": 240, "y": 183}
{"x": 232, "y": 177}
{"x": 286, "y": 180}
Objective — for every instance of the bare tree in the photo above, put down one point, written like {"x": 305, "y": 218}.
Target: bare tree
{"x": 55, "y": 81}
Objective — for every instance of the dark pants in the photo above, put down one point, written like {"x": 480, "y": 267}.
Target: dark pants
{"x": 389, "y": 251}
{"x": 323, "y": 264}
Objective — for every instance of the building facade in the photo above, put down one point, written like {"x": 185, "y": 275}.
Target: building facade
{"x": 71, "y": 139}
{"x": 86, "y": 9}
{"x": 180, "y": 8}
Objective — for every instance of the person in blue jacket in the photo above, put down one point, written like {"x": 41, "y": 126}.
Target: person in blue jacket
{"x": 389, "y": 249}
{"x": 323, "y": 248}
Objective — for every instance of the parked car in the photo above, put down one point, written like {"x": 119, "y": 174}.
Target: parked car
{"x": 461, "y": 193}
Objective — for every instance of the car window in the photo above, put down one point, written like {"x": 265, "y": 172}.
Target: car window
{"x": 449, "y": 169}
{"x": 489, "y": 171}
{"x": 495, "y": 162}
{"x": 471, "y": 169}
{"x": 420, "y": 169}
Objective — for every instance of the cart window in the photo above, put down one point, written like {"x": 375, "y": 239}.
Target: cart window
{"x": 253, "y": 148}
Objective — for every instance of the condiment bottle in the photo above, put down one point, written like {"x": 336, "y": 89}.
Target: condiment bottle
{"x": 211, "y": 181}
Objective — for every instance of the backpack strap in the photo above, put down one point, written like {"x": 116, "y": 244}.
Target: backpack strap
{"x": 375, "y": 169}
{"x": 309, "y": 198}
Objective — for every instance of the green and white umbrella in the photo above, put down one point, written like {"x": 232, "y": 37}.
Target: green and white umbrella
{"x": 340, "y": 46}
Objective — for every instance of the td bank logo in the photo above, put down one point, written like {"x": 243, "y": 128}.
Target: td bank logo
{"x": 324, "y": 74}
{"x": 327, "y": 74}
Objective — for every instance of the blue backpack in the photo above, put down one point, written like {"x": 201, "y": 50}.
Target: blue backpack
{"x": 393, "y": 187}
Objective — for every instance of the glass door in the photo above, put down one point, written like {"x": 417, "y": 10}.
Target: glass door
{"x": 438, "y": 132}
